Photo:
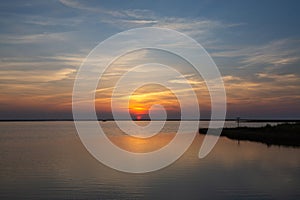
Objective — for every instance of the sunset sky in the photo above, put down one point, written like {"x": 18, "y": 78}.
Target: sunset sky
{"x": 255, "y": 44}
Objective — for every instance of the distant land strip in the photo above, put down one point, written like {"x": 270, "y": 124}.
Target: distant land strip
{"x": 229, "y": 119}
{"x": 286, "y": 134}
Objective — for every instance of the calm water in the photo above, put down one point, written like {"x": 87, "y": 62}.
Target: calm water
{"x": 46, "y": 160}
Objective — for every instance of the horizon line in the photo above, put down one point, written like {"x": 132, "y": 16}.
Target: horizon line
{"x": 204, "y": 119}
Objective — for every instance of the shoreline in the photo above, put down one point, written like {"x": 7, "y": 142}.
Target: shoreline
{"x": 280, "y": 135}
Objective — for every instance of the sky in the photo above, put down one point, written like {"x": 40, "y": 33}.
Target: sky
{"x": 255, "y": 44}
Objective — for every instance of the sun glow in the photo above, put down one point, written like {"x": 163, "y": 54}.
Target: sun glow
{"x": 138, "y": 112}
{"x": 144, "y": 98}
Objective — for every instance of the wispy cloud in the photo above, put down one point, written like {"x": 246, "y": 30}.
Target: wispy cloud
{"x": 55, "y": 62}
{"x": 264, "y": 88}
{"x": 82, "y": 6}
{"x": 133, "y": 18}
{"x": 53, "y": 21}
{"x": 198, "y": 28}
{"x": 33, "y": 38}
{"x": 36, "y": 75}
{"x": 280, "y": 77}
{"x": 276, "y": 53}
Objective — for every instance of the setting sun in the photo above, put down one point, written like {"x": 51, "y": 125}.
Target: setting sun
{"x": 138, "y": 112}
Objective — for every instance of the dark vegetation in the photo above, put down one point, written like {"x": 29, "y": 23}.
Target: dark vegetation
{"x": 287, "y": 134}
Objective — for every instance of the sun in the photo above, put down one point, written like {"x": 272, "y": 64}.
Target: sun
{"x": 142, "y": 100}
{"x": 138, "y": 117}
{"x": 138, "y": 112}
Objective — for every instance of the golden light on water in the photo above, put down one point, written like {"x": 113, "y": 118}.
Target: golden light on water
{"x": 142, "y": 145}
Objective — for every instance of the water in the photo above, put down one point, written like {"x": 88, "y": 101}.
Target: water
{"x": 46, "y": 160}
